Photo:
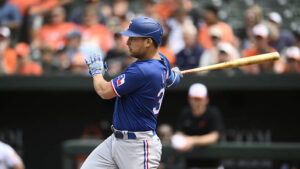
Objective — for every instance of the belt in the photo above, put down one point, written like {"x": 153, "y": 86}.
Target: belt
{"x": 122, "y": 134}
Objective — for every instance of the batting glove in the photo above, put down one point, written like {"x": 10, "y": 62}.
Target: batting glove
{"x": 174, "y": 78}
{"x": 177, "y": 71}
{"x": 95, "y": 64}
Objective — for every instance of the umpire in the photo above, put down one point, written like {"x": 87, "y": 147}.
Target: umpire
{"x": 200, "y": 125}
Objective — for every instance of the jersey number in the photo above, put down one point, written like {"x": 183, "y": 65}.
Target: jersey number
{"x": 160, "y": 95}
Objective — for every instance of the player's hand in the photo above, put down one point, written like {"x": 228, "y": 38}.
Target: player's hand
{"x": 182, "y": 142}
{"x": 177, "y": 71}
{"x": 174, "y": 78}
{"x": 188, "y": 145}
{"x": 95, "y": 64}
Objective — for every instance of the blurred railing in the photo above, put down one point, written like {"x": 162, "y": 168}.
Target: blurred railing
{"x": 214, "y": 82}
{"x": 276, "y": 151}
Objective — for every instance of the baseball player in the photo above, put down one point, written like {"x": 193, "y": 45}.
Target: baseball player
{"x": 139, "y": 92}
{"x": 9, "y": 159}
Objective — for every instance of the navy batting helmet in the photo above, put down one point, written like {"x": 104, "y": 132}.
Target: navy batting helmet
{"x": 145, "y": 27}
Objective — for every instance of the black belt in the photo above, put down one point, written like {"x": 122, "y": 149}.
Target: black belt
{"x": 121, "y": 134}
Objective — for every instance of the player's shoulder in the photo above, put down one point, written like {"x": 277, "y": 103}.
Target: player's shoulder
{"x": 151, "y": 63}
{"x": 164, "y": 59}
{"x": 213, "y": 110}
{"x": 135, "y": 67}
{"x": 186, "y": 112}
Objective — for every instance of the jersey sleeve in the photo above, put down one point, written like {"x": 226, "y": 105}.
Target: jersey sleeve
{"x": 171, "y": 76}
{"x": 128, "y": 82}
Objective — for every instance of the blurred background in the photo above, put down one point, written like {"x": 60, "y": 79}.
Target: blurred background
{"x": 47, "y": 97}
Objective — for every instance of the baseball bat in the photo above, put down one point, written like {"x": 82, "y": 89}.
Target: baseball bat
{"x": 262, "y": 58}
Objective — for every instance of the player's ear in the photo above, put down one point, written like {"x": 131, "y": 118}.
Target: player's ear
{"x": 148, "y": 42}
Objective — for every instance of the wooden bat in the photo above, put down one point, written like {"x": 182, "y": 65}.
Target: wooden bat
{"x": 268, "y": 57}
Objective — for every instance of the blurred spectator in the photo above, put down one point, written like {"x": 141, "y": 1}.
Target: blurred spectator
{"x": 176, "y": 24}
{"x": 199, "y": 125}
{"x": 252, "y": 16}
{"x": 226, "y": 52}
{"x": 47, "y": 60}
{"x": 35, "y": 7}
{"x": 285, "y": 38}
{"x": 25, "y": 65}
{"x": 149, "y": 10}
{"x": 261, "y": 46}
{"x": 95, "y": 35}
{"x": 165, "y": 133}
{"x": 33, "y": 12}
{"x": 62, "y": 61}
{"x": 120, "y": 8}
{"x": 53, "y": 34}
{"x": 75, "y": 54}
{"x": 8, "y": 57}
{"x": 222, "y": 52}
{"x": 39, "y": 7}
{"x": 77, "y": 13}
{"x": 73, "y": 44}
{"x": 9, "y": 159}
{"x": 292, "y": 56}
{"x": 297, "y": 36}
{"x": 78, "y": 65}
{"x": 189, "y": 57}
{"x": 166, "y": 8}
{"x": 164, "y": 49}
{"x": 10, "y": 15}
{"x": 116, "y": 56}
{"x": 210, "y": 56}
{"x": 120, "y": 16}
{"x": 211, "y": 18}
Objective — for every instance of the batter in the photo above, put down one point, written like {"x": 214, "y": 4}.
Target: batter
{"x": 139, "y": 92}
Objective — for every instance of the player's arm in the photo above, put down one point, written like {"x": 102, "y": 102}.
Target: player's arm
{"x": 202, "y": 140}
{"x": 174, "y": 77}
{"x": 199, "y": 140}
{"x": 96, "y": 69}
{"x": 103, "y": 88}
{"x": 206, "y": 139}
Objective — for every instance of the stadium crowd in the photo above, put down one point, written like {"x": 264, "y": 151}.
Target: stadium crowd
{"x": 48, "y": 37}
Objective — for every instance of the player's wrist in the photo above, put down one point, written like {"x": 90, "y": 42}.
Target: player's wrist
{"x": 97, "y": 75}
{"x": 174, "y": 78}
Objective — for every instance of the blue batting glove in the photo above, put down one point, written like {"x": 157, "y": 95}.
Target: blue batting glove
{"x": 95, "y": 64}
{"x": 174, "y": 78}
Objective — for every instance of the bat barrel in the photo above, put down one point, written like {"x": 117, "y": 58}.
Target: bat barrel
{"x": 237, "y": 63}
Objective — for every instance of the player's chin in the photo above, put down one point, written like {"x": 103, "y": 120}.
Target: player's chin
{"x": 134, "y": 54}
